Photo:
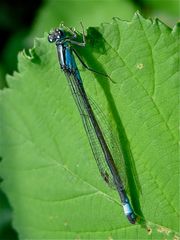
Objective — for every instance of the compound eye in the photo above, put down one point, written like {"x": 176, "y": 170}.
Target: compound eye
{"x": 57, "y": 30}
{"x": 51, "y": 38}
{"x": 55, "y": 35}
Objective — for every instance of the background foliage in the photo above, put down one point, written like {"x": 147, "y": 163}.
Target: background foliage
{"x": 21, "y": 22}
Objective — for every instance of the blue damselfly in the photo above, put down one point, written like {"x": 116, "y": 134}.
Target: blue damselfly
{"x": 65, "y": 38}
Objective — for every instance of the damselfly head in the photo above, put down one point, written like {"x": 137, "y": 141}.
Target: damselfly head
{"x": 55, "y": 35}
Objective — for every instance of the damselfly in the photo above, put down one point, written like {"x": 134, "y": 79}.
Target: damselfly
{"x": 65, "y": 38}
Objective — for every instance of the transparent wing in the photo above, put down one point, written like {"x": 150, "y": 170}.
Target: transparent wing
{"x": 93, "y": 140}
{"x": 111, "y": 139}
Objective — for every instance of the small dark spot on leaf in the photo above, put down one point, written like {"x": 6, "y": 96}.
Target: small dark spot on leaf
{"x": 149, "y": 230}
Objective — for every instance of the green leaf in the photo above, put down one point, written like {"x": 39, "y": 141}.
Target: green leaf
{"x": 50, "y": 175}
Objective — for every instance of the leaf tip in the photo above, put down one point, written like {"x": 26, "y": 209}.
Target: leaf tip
{"x": 137, "y": 15}
{"x": 176, "y": 28}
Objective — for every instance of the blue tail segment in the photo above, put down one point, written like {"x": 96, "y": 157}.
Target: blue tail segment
{"x": 129, "y": 212}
